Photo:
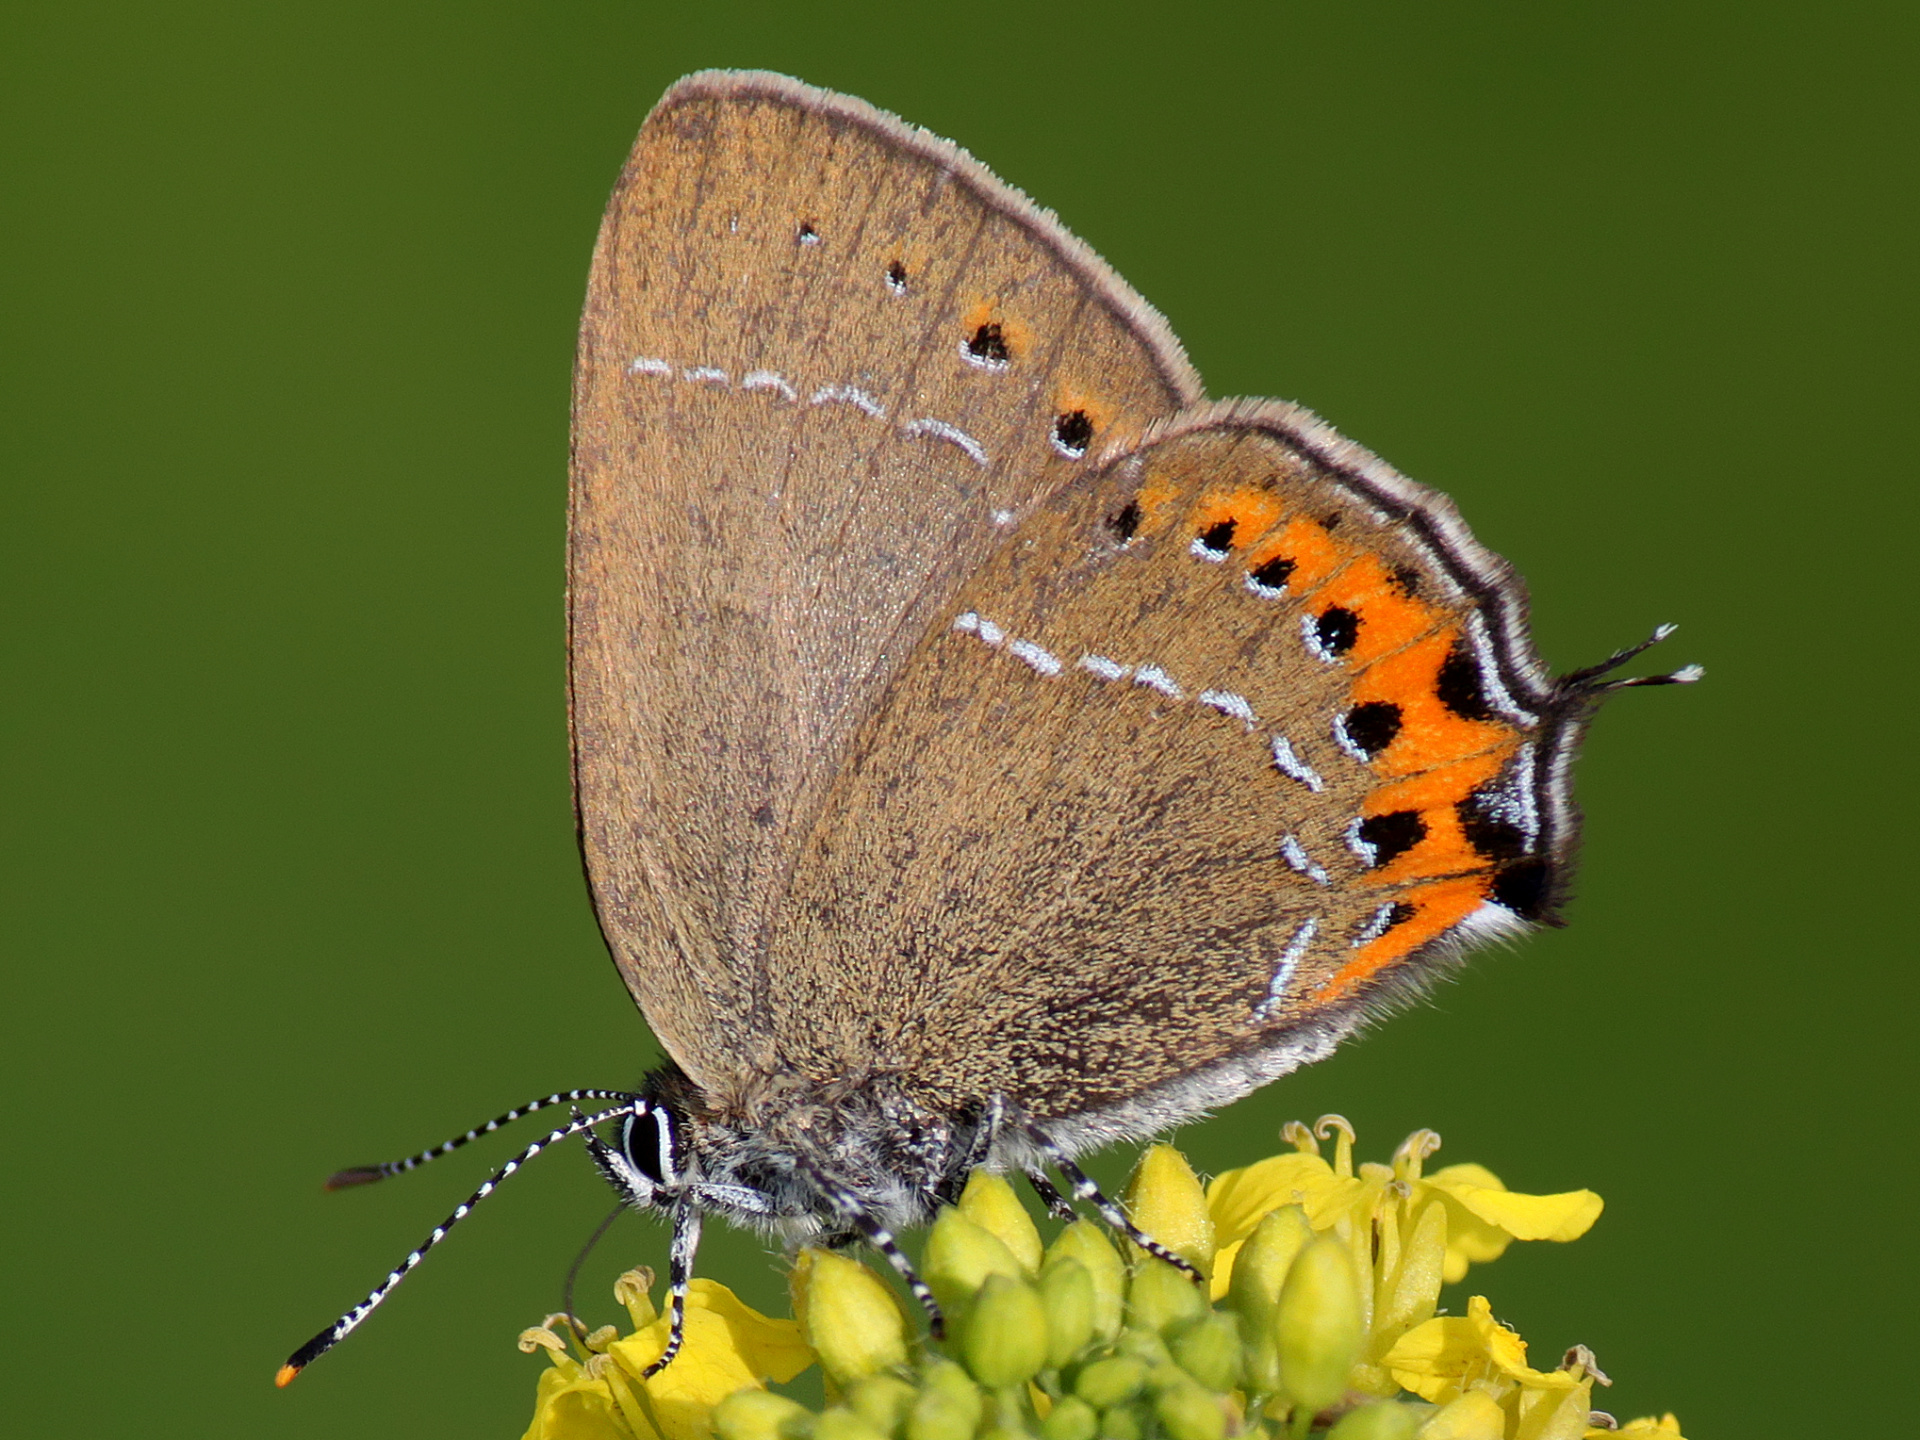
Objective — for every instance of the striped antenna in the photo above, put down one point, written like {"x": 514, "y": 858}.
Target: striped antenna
{"x": 345, "y": 1325}
{"x": 367, "y": 1174}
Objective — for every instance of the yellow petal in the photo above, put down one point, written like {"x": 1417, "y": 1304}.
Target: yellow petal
{"x": 1566, "y": 1216}
{"x": 1554, "y": 1414}
{"x": 1238, "y": 1198}
{"x": 1473, "y": 1416}
{"x": 1438, "y": 1359}
{"x": 571, "y": 1405}
{"x": 729, "y": 1346}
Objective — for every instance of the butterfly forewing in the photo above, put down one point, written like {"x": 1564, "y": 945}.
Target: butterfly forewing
{"x": 1173, "y": 785}
{"x": 826, "y": 365}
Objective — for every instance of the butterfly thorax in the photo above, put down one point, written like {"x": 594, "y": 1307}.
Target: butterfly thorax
{"x": 793, "y": 1159}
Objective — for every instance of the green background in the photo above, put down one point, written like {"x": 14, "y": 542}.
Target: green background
{"x": 290, "y": 878}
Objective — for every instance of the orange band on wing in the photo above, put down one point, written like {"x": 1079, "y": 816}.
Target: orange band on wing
{"x": 1437, "y": 908}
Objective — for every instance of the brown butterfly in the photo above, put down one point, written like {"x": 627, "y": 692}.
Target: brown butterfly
{"x": 985, "y": 748}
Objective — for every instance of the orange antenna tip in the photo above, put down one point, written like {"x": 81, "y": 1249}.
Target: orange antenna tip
{"x": 284, "y": 1376}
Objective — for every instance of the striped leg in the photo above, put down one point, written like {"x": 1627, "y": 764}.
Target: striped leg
{"x": 367, "y": 1174}
{"x": 1058, "y": 1206}
{"x": 686, "y": 1243}
{"x": 345, "y": 1325}
{"x": 1084, "y": 1189}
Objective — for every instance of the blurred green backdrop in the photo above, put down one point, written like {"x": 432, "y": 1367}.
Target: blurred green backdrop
{"x": 290, "y": 875}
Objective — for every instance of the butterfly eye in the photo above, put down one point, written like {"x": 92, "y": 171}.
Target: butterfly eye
{"x": 650, "y": 1142}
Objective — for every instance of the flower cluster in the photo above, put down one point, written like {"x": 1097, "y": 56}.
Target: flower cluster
{"x": 1318, "y": 1316}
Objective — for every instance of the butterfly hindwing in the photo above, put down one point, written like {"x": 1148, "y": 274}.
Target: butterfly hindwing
{"x": 1220, "y": 748}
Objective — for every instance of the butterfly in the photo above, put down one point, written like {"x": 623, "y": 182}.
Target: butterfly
{"x": 985, "y": 747}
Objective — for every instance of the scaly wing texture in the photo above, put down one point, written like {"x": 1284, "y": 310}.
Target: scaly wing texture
{"x": 1228, "y": 743}
{"x": 827, "y": 361}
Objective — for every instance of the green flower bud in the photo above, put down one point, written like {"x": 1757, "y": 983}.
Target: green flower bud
{"x": 1112, "y": 1381}
{"x": 1082, "y": 1241}
{"x": 1005, "y": 1337}
{"x": 883, "y": 1400}
{"x": 1145, "y": 1346}
{"x": 1067, "y": 1289}
{"x": 991, "y": 1203}
{"x": 1383, "y": 1421}
{"x": 1187, "y": 1412}
{"x": 760, "y": 1415}
{"x": 848, "y": 1315}
{"x": 960, "y": 1256}
{"x": 1317, "y": 1325}
{"x": 1209, "y": 1351}
{"x": 948, "y": 1408}
{"x": 1260, "y": 1266}
{"x": 1166, "y": 1200}
{"x": 1162, "y": 1296}
{"x": 839, "y": 1423}
{"x": 1070, "y": 1419}
{"x": 1123, "y": 1422}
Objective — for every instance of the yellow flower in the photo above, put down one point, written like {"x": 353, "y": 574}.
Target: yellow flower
{"x": 1483, "y": 1216}
{"x": 729, "y": 1346}
{"x": 1329, "y": 1320}
{"x": 1448, "y": 1355}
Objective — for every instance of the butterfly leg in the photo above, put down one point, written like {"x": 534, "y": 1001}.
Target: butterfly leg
{"x": 686, "y": 1242}
{"x": 1058, "y": 1206}
{"x": 1084, "y": 1189}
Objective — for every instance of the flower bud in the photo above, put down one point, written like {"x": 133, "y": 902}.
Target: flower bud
{"x": 848, "y": 1315}
{"x": 1145, "y": 1346}
{"x": 960, "y": 1255}
{"x": 1209, "y": 1351}
{"x": 1186, "y": 1412}
{"x": 1082, "y": 1241}
{"x": 1112, "y": 1381}
{"x": 760, "y": 1415}
{"x": 884, "y": 1401}
{"x": 1165, "y": 1199}
{"x": 1005, "y": 1338}
{"x": 1260, "y": 1268}
{"x": 949, "y": 1406}
{"x": 1162, "y": 1296}
{"x": 990, "y": 1202}
{"x": 840, "y": 1423}
{"x": 1317, "y": 1325}
{"x": 1123, "y": 1422}
{"x": 1383, "y": 1420}
{"x": 1253, "y": 1289}
{"x": 1070, "y": 1419}
{"x": 1067, "y": 1289}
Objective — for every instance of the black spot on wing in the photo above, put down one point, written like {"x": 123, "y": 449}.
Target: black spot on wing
{"x": 988, "y": 345}
{"x": 1459, "y": 685}
{"x": 1392, "y": 835}
{"x": 1217, "y": 538}
{"x": 1336, "y": 630}
{"x": 1373, "y": 726}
